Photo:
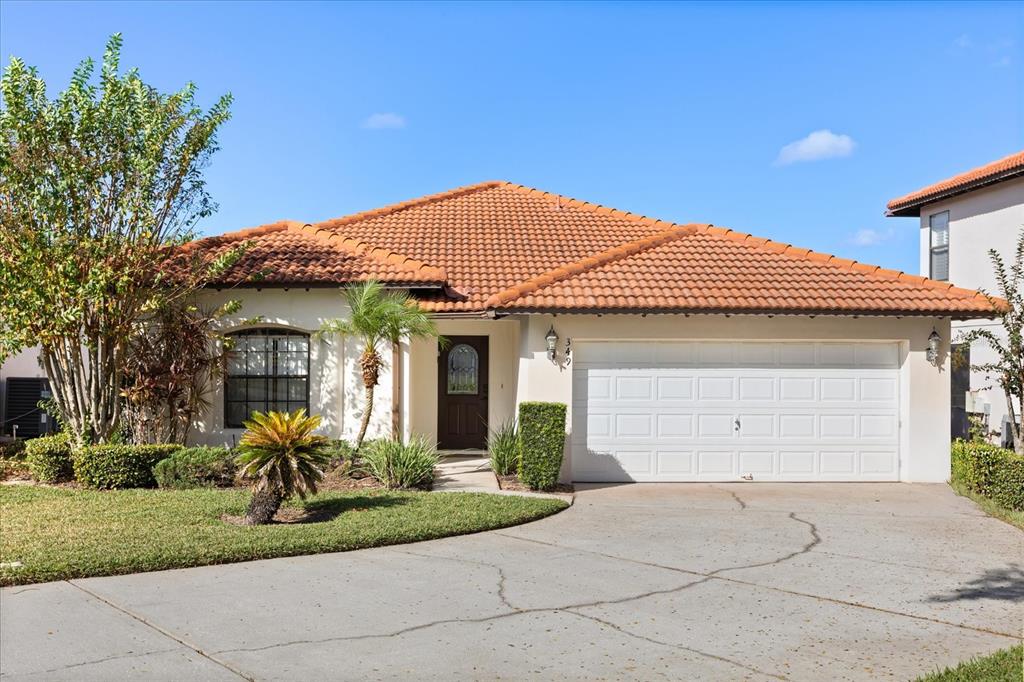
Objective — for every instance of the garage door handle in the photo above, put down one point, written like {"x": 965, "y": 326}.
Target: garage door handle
{"x": 737, "y": 423}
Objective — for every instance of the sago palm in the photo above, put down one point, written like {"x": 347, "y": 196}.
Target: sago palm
{"x": 280, "y": 451}
{"x": 378, "y": 316}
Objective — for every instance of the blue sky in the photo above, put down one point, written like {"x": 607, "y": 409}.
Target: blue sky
{"x": 685, "y": 112}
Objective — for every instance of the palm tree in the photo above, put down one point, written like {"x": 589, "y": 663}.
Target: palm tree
{"x": 379, "y": 316}
{"x": 280, "y": 451}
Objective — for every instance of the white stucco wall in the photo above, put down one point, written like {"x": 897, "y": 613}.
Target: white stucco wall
{"x": 335, "y": 384}
{"x": 925, "y": 388}
{"x": 23, "y": 364}
{"x": 985, "y": 219}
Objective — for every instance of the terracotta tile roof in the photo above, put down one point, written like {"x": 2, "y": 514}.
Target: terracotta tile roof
{"x": 505, "y": 247}
{"x": 710, "y": 269}
{"x": 997, "y": 171}
{"x": 494, "y": 235}
{"x": 289, "y": 252}
{"x": 512, "y": 247}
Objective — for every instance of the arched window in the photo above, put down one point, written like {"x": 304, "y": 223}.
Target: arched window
{"x": 463, "y": 370}
{"x": 267, "y": 369}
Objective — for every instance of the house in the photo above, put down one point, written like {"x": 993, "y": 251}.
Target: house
{"x": 684, "y": 352}
{"x": 962, "y": 218}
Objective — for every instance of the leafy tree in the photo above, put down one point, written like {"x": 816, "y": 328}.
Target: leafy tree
{"x": 172, "y": 359}
{"x": 284, "y": 457}
{"x": 379, "y": 317}
{"x": 96, "y": 187}
{"x": 1008, "y": 368}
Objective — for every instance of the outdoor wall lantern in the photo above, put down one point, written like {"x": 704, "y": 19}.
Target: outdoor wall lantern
{"x": 933, "y": 347}
{"x": 552, "y": 340}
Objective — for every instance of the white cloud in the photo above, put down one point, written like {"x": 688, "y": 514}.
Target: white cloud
{"x": 1002, "y": 61}
{"x": 963, "y": 42}
{"x": 821, "y": 144}
{"x": 384, "y": 121}
{"x": 870, "y": 237}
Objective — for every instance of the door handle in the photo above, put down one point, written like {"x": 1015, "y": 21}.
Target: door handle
{"x": 736, "y": 424}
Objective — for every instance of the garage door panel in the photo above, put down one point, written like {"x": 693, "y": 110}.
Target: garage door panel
{"x": 793, "y": 388}
{"x": 718, "y": 411}
{"x": 758, "y": 462}
{"x": 835, "y": 389}
{"x": 715, "y": 388}
{"x": 716, "y": 462}
{"x": 675, "y": 388}
{"x": 671, "y": 463}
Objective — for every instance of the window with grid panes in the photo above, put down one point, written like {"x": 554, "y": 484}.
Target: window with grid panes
{"x": 267, "y": 370}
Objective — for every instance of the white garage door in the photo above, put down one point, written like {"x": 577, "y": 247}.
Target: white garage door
{"x": 764, "y": 411}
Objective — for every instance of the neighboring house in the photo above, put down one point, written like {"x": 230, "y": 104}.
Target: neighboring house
{"x": 962, "y": 218}
{"x": 684, "y": 352}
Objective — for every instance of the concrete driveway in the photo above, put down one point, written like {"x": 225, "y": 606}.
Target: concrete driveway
{"x": 756, "y": 581}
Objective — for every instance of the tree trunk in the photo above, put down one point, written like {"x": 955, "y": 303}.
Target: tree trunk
{"x": 366, "y": 417}
{"x": 370, "y": 363}
{"x": 263, "y": 506}
{"x": 1015, "y": 431}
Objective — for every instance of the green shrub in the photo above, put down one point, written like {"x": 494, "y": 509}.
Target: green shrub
{"x": 12, "y": 449}
{"x": 340, "y": 451}
{"x": 202, "y": 467}
{"x": 542, "y": 443}
{"x": 503, "y": 446}
{"x": 13, "y": 468}
{"x": 119, "y": 466}
{"x": 400, "y": 465}
{"x": 49, "y": 458}
{"x": 990, "y": 471}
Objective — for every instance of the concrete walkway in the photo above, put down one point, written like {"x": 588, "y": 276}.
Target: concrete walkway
{"x": 641, "y": 582}
{"x": 465, "y": 474}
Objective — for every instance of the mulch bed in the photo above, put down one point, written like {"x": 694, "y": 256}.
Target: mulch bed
{"x": 344, "y": 478}
{"x": 512, "y": 482}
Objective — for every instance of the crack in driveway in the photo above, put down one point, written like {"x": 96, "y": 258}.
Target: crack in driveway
{"x": 165, "y": 633}
{"x": 681, "y": 647}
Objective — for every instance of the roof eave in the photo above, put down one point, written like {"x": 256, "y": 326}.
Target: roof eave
{"x": 766, "y": 312}
{"x": 913, "y": 209}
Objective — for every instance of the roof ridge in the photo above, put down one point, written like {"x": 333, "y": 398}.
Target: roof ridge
{"x": 600, "y": 209}
{"x": 409, "y": 203}
{"x": 589, "y": 263}
{"x": 358, "y": 247}
{"x": 244, "y": 233}
{"x": 803, "y": 254}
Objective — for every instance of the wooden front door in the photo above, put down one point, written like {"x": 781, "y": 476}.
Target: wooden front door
{"x": 462, "y": 394}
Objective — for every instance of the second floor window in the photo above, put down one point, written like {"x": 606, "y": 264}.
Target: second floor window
{"x": 938, "y": 226}
{"x": 268, "y": 369}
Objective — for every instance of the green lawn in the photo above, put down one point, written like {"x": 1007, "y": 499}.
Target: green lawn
{"x": 59, "y": 533}
{"x": 1006, "y": 665}
{"x": 1014, "y": 518}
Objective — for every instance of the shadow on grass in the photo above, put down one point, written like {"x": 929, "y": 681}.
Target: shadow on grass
{"x": 318, "y": 511}
{"x": 1004, "y": 584}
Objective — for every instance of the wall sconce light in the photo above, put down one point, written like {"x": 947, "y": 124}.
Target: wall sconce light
{"x": 934, "y": 340}
{"x": 552, "y": 340}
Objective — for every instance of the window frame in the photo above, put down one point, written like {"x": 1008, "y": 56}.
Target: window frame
{"x": 935, "y": 250}
{"x": 272, "y": 375}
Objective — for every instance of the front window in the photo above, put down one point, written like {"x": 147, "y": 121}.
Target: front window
{"x": 938, "y": 225}
{"x": 267, "y": 369}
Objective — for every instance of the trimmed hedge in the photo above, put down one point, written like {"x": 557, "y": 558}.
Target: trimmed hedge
{"x": 119, "y": 466}
{"x": 541, "y": 443}
{"x": 49, "y": 458}
{"x": 988, "y": 470}
{"x": 202, "y": 467}
{"x": 12, "y": 449}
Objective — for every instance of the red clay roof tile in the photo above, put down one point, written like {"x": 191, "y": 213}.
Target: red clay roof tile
{"x": 505, "y": 247}
{"x": 997, "y": 171}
